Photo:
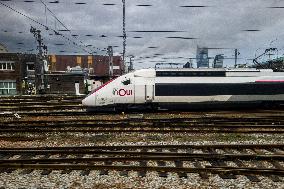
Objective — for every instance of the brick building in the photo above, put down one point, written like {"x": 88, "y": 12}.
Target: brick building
{"x": 17, "y": 72}
{"x": 13, "y": 70}
{"x": 97, "y": 65}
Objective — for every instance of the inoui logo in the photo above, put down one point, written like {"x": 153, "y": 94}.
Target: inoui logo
{"x": 122, "y": 92}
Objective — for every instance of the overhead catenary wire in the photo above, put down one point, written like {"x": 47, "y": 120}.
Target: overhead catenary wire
{"x": 64, "y": 26}
{"x": 46, "y": 27}
{"x": 56, "y": 19}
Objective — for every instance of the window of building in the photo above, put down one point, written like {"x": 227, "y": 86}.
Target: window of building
{"x": 8, "y": 88}
{"x": 7, "y": 65}
{"x": 30, "y": 66}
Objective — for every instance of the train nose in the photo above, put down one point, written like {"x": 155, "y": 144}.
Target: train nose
{"x": 88, "y": 101}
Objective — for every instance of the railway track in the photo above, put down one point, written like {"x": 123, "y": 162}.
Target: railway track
{"x": 225, "y": 160}
{"x": 82, "y": 112}
{"x": 145, "y": 129}
{"x": 39, "y": 103}
{"x": 274, "y": 124}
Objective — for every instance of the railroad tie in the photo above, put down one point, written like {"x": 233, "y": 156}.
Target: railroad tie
{"x": 161, "y": 164}
{"x": 65, "y": 171}
{"x": 202, "y": 175}
{"x": 179, "y": 164}
{"x": 125, "y": 172}
{"x": 105, "y": 172}
{"x": 260, "y": 164}
{"x": 277, "y": 165}
{"x": 85, "y": 172}
{"x": 197, "y": 164}
{"x": 46, "y": 171}
{"x": 142, "y": 163}
{"x": 162, "y": 173}
{"x": 217, "y": 163}
{"x": 252, "y": 178}
{"x": 6, "y": 156}
{"x": 239, "y": 163}
{"x": 27, "y": 156}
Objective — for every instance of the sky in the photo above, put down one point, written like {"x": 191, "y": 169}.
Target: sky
{"x": 158, "y": 31}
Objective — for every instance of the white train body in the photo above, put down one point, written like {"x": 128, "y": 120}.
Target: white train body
{"x": 172, "y": 88}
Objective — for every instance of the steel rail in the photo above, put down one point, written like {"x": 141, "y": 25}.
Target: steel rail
{"x": 213, "y": 170}
{"x": 85, "y": 149}
{"x": 163, "y": 121}
{"x": 144, "y": 130}
{"x": 138, "y": 157}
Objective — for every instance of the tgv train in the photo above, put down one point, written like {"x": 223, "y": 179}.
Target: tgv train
{"x": 184, "y": 88}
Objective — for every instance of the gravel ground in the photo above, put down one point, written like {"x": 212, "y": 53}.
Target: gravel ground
{"x": 87, "y": 139}
{"x": 152, "y": 180}
{"x": 96, "y": 181}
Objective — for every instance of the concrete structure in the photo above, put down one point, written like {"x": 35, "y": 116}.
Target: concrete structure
{"x": 202, "y": 59}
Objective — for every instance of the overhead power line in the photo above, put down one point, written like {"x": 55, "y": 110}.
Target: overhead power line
{"x": 54, "y": 15}
{"x": 65, "y": 27}
{"x": 46, "y": 27}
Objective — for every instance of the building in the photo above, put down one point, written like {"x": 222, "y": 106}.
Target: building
{"x": 66, "y": 73}
{"x": 218, "y": 61}
{"x": 97, "y": 66}
{"x": 15, "y": 72}
{"x": 10, "y": 75}
{"x": 202, "y": 59}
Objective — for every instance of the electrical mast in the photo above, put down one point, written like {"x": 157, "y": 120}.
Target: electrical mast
{"x": 110, "y": 54}
{"x": 124, "y": 35}
{"x": 41, "y": 65}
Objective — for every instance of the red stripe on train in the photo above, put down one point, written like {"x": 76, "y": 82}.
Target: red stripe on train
{"x": 270, "y": 81}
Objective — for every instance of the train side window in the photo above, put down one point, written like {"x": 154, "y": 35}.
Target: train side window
{"x": 180, "y": 73}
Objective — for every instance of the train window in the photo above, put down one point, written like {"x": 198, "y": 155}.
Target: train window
{"x": 126, "y": 82}
{"x": 190, "y": 74}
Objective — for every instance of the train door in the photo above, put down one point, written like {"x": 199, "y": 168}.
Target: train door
{"x": 149, "y": 91}
{"x": 139, "y": 90}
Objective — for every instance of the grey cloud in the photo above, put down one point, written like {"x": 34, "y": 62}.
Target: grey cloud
{"x": 219, "y": 25}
